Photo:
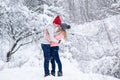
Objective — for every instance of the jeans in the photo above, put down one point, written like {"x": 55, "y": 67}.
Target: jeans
{"x": 52, "y": 63}
{"x": 55, "y": 55}
{"x": 47, "y": 56}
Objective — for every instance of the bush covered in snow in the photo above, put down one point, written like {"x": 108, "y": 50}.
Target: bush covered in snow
{"x": 108, "y": 66}
{"x": 1, "y": 65}
{"x": 96, "y": 41}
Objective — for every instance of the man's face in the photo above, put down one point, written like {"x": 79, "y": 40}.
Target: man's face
{"x": 56, "y": 25}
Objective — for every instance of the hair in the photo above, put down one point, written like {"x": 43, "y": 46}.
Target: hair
{"x": 64, "y": 32}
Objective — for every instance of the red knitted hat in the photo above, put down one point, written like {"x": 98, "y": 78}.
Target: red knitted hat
{"x": 57, "y": 20}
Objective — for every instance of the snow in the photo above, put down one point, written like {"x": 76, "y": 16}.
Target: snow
{"x": 1, "y": 64}
{"x": 89, "y": 44}
{"x": 70, "y": 72}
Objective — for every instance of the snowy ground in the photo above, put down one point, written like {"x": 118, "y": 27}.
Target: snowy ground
{"x": 70, "y": 71}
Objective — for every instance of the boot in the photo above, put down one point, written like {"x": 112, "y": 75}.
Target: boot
{"x": 46, "y": 75}
{"x": 60, "y": 74}
{"x": 53, "y": 73}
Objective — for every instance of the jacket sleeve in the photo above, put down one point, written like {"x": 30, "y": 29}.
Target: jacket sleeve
{"x": 51, "y": 31}
{"x": 47, "y": 36}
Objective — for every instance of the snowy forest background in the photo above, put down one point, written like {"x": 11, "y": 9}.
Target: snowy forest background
{"x": 93, "y": 40}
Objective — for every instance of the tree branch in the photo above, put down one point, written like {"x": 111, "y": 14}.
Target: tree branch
{"x": 21, "y": 46}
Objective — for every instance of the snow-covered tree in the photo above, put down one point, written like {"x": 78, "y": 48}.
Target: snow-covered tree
{"x": 81, "y": 11}
{"x": 18, "y": 26}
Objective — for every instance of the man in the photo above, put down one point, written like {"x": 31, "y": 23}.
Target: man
{"x": 46, "y": 46}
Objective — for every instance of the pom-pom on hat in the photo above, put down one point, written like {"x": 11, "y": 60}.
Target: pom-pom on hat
{"x": 57, "y": 20}
{"x": 65, "y": 26}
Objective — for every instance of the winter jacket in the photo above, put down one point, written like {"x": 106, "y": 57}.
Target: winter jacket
{"x": 58, "y": 37}
{"x": 46, "y": 39}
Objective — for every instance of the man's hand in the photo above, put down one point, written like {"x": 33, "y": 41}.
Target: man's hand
{"x": 47, "y": 35}
{"x": 46, "y": 32}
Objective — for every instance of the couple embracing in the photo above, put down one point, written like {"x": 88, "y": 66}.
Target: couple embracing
{"x": 53, "y": 35}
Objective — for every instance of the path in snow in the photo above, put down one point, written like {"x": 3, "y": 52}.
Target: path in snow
{"x": 70, "y": 72}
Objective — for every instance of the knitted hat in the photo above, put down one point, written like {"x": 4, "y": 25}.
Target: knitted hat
{"x": 65, "y": 26}
{"x": 57, "y": 20}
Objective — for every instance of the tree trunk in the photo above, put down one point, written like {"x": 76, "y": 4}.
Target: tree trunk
{"x": 11, "y": 52}
{"x": 9, "y": 56}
